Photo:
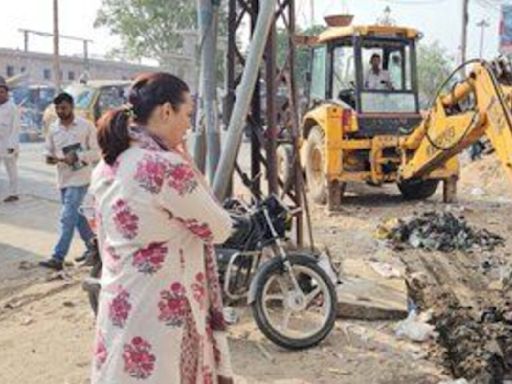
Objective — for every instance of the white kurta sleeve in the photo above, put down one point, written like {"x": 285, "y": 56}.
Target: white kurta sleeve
{"x": 91, "y": 153}
{"x": 189, "y": 200}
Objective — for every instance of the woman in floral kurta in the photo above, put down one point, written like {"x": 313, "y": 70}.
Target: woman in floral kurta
{"x": 160, "y": 313}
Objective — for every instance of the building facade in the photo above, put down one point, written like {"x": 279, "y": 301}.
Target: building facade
{"x": 39, "y": 67}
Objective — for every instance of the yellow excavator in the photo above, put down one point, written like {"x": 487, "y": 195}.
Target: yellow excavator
{"x": 363, "y": 122}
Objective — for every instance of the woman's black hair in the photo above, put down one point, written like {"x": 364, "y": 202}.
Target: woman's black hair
{"x": 146, "y": 93}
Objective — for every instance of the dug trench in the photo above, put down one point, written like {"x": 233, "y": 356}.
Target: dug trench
{"x": 459, "y": 272}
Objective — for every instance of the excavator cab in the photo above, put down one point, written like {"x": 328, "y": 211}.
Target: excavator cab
{"x": 372, "y": 75}
{"x": 363, "y": 96}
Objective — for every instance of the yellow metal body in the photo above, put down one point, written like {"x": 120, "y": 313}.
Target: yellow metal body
{"x": 345, "y": 156}
{"x": 342, "y": 163}
{"x": 430, "y": 150}
{"x": 335, "y": 33}
{"x": 435, "y": 143}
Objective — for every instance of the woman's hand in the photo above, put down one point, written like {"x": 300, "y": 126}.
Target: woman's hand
{"x": 183, "y": 150}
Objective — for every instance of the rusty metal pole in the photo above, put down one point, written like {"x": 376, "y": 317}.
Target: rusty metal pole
{"x": 255, "y": 122}
{"x": 271, "y": 134}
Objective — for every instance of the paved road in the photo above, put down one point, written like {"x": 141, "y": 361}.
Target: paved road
{"x": 28, "y": 228}
{"x": 36, "y": 178}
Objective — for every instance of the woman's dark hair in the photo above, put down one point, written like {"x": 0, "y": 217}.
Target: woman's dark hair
{"x": 147, "y": 92}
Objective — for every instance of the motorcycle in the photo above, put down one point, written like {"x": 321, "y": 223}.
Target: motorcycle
{"x": 293, "y": 299}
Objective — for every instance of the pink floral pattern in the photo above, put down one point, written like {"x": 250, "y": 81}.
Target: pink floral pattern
{"x": 175, "y": 310}
{"x": 216, "y": 317}
{"x": 126, "y": 222}
{"x": 119, "y": 308}
{"x": 199, "y": 289}
{"x": 108, "y": 172}
{"x": 151, "y": 258}
{"x": 139, "y": 362}
{"x": 111, "y": 259}
{"x": 151, "y": 172}
{"x": 190, "y": 344}
{"x": 182, "y": 178}
{"x": 173, "y": 305}
{"x": 201, "y": 230}
{"x": 100, "y": 351}
{"x": 207, "y": 375}
{"x": 217, "y": 355}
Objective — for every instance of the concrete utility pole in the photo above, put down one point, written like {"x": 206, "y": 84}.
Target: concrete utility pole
{"x": 243, "y": 98}
{"x": 464, "y": 38}
{"x": 208, "y": 12}
{"x": 312, "y": 12}
{"x": 482, "y": 25}
{"x": 56, "y": 55}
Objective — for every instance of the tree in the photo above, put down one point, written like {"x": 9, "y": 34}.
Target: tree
{"x": 434, "y": 67}
{"x": 147, "y": 28}
{"x": 302, "y": 53}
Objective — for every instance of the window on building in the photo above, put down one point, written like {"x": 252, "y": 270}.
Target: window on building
{"x": 10, "y": 71}
{"x": 71, "y": 76}
{"x": 47, "y": 74}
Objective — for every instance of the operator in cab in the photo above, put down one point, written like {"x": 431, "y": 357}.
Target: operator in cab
{"x": 377, "y": 78}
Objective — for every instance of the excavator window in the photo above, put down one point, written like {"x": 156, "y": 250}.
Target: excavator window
{"x": 344, "y": 75}
{"x": 318, "y": 73}
{"x": 387, "y": 76}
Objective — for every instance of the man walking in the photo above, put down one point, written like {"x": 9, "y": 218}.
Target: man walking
{"x": 72, "y": 146}
{"x": 9, "y": 140}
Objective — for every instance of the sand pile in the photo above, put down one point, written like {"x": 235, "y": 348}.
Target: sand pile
{"x": 485, "y": 176}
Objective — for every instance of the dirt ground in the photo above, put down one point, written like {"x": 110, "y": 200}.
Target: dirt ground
{"x": 46, "y": 327}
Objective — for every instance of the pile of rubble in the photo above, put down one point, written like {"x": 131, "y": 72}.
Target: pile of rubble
{"x": 478, "y": 348}
{"x": 438, "y": 231}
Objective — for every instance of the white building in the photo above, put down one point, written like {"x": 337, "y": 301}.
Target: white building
{"x": 39, "y": 67}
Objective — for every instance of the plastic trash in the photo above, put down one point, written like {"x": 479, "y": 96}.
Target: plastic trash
{"x": 324, "y": 262}
{"x": 230, "y": 315}
{"x": 414, "y": 328}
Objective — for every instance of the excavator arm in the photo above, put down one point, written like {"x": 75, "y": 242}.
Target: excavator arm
{"x": 477, "y": 106}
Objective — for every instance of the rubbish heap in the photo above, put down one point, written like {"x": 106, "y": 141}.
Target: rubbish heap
{"x": 437, "y": 231}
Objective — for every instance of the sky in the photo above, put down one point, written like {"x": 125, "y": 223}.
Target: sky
{"x": 436, "y": 19}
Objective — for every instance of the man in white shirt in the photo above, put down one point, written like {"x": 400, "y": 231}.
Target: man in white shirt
{"x": 72, "y": 146}
{"x": 9, "y": 140}
{"x": 377, "y": 78}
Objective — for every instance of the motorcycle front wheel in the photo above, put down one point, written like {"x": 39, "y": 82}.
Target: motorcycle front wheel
{"x": 294, "y": 317}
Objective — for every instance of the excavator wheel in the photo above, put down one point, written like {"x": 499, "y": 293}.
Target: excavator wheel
{"x": 418, "y": 189}
{"x": 315, "y": 160}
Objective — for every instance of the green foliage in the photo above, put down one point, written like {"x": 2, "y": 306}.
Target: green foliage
{"x": 147, "y": 28}
{"x": 302, "y": 54}
{"x": 434, "y": 67}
